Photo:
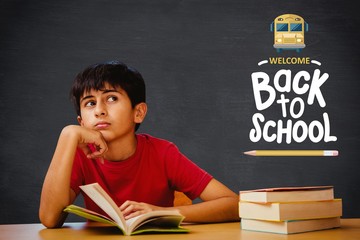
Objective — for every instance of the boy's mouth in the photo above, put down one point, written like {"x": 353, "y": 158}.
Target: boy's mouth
{"x": 102, "y": 125}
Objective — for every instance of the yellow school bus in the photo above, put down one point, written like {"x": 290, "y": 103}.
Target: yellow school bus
{"x": 289, "y": 32}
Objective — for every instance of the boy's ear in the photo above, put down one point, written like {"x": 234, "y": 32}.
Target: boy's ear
{"x": 80, "y": 121}
{"x": 140, "y": 112}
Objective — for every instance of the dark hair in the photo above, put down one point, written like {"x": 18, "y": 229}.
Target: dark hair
{"x": 115, "y": 73}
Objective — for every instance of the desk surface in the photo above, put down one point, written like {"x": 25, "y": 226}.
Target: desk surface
{"x": 350, "y": 230}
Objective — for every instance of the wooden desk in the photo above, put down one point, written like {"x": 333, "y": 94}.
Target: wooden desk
{"x": 350, "y": 230}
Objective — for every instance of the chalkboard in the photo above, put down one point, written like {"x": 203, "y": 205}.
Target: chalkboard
{"x": 197, "y": 58}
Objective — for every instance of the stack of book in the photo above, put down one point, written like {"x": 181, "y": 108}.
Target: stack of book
{"x": 290, "y": 210}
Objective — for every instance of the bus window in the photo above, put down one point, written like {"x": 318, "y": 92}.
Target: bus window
{"x": 282, "y": 27}
{"x": 295, "y": 27}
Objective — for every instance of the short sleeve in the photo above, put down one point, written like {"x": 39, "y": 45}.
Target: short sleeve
{"x": 185, "y": 175}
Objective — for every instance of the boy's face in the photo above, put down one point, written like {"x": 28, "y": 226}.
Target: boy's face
{"x": 110, "y": 112}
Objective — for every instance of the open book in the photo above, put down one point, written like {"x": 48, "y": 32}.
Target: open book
{"x": 155, "y": 221}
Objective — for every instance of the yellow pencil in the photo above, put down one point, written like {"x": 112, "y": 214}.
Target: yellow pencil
{"x": 292, "y": 153}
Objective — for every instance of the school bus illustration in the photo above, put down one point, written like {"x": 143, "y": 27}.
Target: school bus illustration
{"x": 289, "y": 32}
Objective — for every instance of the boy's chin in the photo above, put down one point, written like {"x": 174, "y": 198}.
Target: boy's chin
{"x": 106, "y": 136}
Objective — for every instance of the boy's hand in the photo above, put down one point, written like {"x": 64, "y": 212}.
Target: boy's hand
{"x": 87, "y": 136}
{"x": 132, "y": 209}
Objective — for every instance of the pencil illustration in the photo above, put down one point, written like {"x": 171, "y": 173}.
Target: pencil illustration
{"x": 292, "y": 153}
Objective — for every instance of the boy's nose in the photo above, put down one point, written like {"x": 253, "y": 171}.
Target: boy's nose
{"x": 100, "y": 110}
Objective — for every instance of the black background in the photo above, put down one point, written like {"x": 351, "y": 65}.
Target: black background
{"x": 196, "y": 58}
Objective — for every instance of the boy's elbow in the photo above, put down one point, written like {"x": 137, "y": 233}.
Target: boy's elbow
{"x": 51, "y": 220}
{"x": 233, "y": 212}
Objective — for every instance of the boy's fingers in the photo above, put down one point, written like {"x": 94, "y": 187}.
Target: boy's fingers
{"x": 128, "y": 207}
{"x": 125, "y": 205}
{"x": 100, "y": 150}
{"x": 99, "y": 145}
{"x": 134, "y": 214}
{"x": 85, "y": 149}
{"x": 132, "y": 209}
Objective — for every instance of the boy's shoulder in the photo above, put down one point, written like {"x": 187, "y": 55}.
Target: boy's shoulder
{"x": 156, "y": 147}
{"x": 145, "y": 139}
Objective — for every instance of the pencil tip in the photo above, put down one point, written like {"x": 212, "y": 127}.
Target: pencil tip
{"x": 249, "y": 153}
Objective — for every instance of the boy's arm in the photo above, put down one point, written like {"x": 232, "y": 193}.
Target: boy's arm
{"x": 220, "y": 204}
{"x": 56, "y": 192}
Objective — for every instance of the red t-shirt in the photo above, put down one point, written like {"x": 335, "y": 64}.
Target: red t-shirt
{"x": 151, "y": 175}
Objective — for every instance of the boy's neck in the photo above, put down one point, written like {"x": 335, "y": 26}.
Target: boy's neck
{"x": 121, "y": 149}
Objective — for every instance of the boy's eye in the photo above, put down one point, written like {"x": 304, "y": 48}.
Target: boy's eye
{"x": 90, "y": 104}
{"x": 112, "y": 99}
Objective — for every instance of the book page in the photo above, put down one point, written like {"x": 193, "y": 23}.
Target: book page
{"x": 135, "y": 222}
{"x": 104, "y": 201}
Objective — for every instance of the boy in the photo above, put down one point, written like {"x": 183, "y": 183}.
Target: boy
{"x": 140, "y": 172}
